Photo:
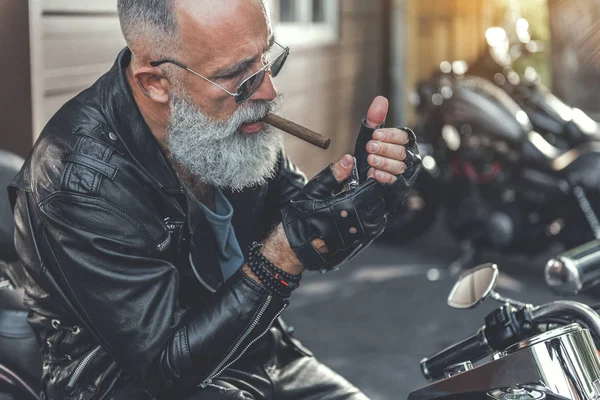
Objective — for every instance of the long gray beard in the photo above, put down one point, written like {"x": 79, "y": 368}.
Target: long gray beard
{"x": 216, "y": 153}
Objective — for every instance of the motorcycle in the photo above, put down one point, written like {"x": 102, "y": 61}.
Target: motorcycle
{"x": 543, "y": 352}
{"x": 20, "y": 359}
{"x": 503, "y": 185}
{"x": 511, "y": 108}
{"x": 563, "y": 126}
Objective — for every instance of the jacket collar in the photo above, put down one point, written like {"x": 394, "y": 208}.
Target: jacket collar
{"x": 123, "y": 115}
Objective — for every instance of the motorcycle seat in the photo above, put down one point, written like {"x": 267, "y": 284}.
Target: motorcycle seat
{"x": 13, "y": 315}
{"x": 10, "y": 164}
{"x": 19, "y": 350}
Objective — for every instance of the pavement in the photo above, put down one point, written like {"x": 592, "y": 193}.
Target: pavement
{"x": 376, "y": 318}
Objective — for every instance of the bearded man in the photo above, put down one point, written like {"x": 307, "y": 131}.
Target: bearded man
{"x": 162, "y": 228}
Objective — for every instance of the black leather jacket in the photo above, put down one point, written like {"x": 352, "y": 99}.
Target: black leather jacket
{"x": 125, "y": 290}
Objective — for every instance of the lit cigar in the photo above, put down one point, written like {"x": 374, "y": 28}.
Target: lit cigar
{"x": 297, "y": 130}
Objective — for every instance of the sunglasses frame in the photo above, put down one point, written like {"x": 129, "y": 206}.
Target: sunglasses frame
{"x": 239, "y": 96}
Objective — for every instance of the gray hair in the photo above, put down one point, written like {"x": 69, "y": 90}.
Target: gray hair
{"x": 149, "y": 26}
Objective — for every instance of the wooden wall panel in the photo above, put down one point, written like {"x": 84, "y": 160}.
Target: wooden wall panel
{"x": 439, "y": 31}
{"x": 575, "y": 27}
{"x": 15, "y": 102}
{"x": 78, "y": 48}
{"x": 71, "y": 6}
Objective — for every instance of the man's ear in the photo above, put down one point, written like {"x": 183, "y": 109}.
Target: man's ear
{"x": 153, "y": 83}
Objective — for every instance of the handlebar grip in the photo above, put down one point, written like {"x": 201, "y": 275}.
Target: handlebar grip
{"x": 472, "y": 349}
{"x": 574, "y": 270}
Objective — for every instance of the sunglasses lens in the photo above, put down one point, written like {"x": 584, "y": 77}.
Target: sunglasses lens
{"x": 278, "y": 64}
{"x": 250, "y": 86}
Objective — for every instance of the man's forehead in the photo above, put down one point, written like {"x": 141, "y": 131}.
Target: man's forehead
{"x": 212, "y": 27}
{"x": 212, "y": 14}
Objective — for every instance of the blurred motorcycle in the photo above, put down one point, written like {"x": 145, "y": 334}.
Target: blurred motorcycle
{"x": 501, "y": 184}
{"x": 20, "y": 359}
{"x": 563, "y": 126}
{"x": 543, "y": 352}
{"x": 485, "y": 123}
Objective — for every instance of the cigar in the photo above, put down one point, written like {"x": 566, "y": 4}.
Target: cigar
{"x": 297, "y": 130}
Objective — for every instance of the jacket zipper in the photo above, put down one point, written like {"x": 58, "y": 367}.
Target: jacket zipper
{"x": 162, "y": 246}
{"x": 81, "y": 367}
{"x": 172, "y": 226}
{"x": 206, "y": 285}
{"x": 222, "y": 366}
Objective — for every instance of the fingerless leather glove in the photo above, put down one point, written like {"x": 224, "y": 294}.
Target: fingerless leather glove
{"x": 394, "y": 194}
{"x": 347, "y": 222}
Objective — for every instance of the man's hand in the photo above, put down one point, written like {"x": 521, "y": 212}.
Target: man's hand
{"x": 346, "y": 221}
{"x": 389, "y": 155}
{"x": 277, "y": 247}
{"x": 386, "y": 150}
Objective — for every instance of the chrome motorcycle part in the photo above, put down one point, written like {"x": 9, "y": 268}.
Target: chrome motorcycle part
{"x": 506, "y": 300}
{"x": 516, "y": 393}
{"x": 561, "y": 362}
{"x": 570, "y": 272}
{"x": 473, "y": 286}
{"x": 543, "y": 337}
{"x": 564, "y": 308}
{"x": 458, "y": 368}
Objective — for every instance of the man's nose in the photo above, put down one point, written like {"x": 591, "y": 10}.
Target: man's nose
{"x": 266, "y": 91}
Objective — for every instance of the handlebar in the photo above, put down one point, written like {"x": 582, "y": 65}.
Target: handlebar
{"x": 564, "y": 308}
{"x": 479, "y": 346}
{"x": 574, "y": 270}
{"x": 473, "y": 349}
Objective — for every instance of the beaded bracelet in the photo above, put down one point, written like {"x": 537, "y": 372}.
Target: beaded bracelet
{"x": 274, "y": 279}
{"x": 254, "y": 251}
{"x": 269, "y": 283}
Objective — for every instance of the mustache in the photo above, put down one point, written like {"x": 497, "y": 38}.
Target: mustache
{"x": 253, "y": 111}
{"x": 248, "y": 112}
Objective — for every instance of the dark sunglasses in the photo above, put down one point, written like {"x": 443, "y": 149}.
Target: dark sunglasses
{"x": 250, "y": 85}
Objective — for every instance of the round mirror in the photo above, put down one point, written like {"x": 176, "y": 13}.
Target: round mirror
{"x": 473, "y": 286}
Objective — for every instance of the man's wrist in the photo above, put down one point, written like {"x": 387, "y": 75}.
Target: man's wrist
{"x": 278, "y": 251}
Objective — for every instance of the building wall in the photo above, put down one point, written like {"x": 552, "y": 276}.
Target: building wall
{"x": 328, "y": 88}
{"x": 451, "y": 30}
{"x": 575, "y": 57}
{"x": 15, "y": 101}
{"x": 439, "y": 31}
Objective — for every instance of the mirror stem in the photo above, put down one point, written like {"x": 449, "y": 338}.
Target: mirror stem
{"x": 504, "y": 300}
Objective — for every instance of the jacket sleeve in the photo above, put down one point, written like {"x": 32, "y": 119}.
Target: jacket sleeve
{"x": 111, "y": 269}
{"x": 284, "y": 187}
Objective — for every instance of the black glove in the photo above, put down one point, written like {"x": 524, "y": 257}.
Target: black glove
{"x": 347, "y": 222}
{"x": 394, "y": 194}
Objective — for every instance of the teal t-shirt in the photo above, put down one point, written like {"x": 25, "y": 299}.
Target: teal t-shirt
{"x": 230, "y": 254}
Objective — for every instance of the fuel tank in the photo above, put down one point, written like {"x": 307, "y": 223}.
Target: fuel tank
{"x": 486, "y": 109}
